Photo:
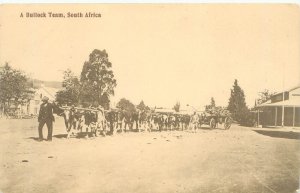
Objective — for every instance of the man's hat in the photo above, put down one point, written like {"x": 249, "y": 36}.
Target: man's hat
{"x": 45, "y": 98}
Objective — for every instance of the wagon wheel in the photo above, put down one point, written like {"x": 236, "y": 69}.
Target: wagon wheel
{"x": 104, "y": 132}
{"x": 212, "y": 123}
{"x": 227, "y": 123}
{"x": 199, "y": 124}
{"x": 220, "y": 120}
{"x": 97, "y": 131}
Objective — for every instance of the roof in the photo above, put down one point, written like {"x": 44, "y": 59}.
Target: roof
{"x": 164, "y": 110}
{"x": 294, "y": 88}
{"x": 295, "y": 102}
{"x": 46, "y": 91}
{"x": 189, "y": 111}
{"x": 288, "y": 90}
{"x": 291, "y": 102}
{"x": 50, "y": 91}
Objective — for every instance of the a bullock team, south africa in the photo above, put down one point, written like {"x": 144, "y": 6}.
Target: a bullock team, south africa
{"x": 98, "y": 121}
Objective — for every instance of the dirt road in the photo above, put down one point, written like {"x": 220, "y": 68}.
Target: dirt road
{"x": 237, "y": 160}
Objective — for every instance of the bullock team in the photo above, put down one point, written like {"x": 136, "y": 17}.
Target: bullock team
{"x": 97, "y": 121}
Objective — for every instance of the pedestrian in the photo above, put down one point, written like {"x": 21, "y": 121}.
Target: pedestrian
{"x": 45, "y": 117}
{"x": 194, "y": 122}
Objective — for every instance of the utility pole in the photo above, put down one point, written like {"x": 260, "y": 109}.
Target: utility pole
{"x": 282, "y": 112}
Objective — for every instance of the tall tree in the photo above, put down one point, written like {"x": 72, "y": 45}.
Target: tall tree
{"x": 141, "y": 106}
{"x": 71, "y": 89}
{"x": 126, "y": 105}
{"x": 97, "y": 79}
{"x": 237, "y": 105}
{"x": 212, "y": 104}
{"x": 177, "y": 107}
{"x": 14, "y": 86}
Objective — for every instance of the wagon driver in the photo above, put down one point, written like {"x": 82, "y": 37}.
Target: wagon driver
{"x": 45, "y": 117}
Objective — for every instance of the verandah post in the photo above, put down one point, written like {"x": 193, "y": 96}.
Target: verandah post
{"x": 293, "y": 116}
{"x": 275, "y": 116}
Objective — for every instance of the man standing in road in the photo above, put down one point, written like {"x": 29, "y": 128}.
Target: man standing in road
{"x": 45, "y": 116}
{"x": 194, "y": 122}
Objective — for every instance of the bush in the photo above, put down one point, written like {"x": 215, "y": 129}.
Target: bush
{"x": 247, "y": 119}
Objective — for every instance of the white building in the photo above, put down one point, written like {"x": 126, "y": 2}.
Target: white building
{"x": 283, "y": 109}
{"x": 33, "y": 106}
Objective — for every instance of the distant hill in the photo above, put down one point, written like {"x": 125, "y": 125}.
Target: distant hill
{"x": 35, "y": 83}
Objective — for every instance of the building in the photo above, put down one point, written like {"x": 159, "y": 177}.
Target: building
{"x": 33, "y": 106}
{"x": 27, "y": 108}
{"x": 283, "y": 109}
{"x": 163, "y": 110}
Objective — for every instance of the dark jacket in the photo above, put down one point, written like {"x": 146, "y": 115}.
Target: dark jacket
{"x": 46, "y": 112}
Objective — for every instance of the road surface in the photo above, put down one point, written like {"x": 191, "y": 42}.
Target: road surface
{"x": 240, "y": 159}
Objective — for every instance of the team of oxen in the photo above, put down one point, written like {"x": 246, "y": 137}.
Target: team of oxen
{"x": 98, "y": 121}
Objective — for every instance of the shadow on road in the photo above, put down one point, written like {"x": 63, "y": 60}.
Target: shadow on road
{"x": 55, "y": 136}
{"x": 280, "y": 134}
{"x": 78, "y": 135}
{"x": 59, "y": 136}
{"x": 209, "y": 128}
{"x": 33, "y": 138}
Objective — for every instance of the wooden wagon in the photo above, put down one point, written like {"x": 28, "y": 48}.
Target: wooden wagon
{"x": 213, "y": 118}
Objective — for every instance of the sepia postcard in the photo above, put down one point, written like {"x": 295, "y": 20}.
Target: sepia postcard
{"x": 149, "y": 98}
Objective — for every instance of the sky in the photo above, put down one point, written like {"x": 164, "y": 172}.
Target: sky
{"x": 162, "y": 53}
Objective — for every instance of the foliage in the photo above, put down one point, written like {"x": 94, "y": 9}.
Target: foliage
{"x": 237, "y": 105}
{"x": 142, "y": 106}
{"x": 126, "y": 105}
{"x": 95, "y": 85}
{"x": 238, "y": 109}
{"x": 177, "y": 107}
{"x": 221, "y": 111}
{"x": 14, "y": 86}
{"x": 247, "y": 118}
{"x": 212, "y": 104}
{"x": 264, "y": 96}
{"x": 216, "y": 110}
{"x": 71, "y": 93}
{"x": 97, "y": 79}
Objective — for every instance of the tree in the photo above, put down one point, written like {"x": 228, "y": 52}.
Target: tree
{"x": 212, "y": 104}
{"x": 97, "y": 79}
{"x": 72, "y": 89}
{"x": 126, "y": 105}
{"x": 177, "y": 107}
{"x": 142, "y": 106}
{"x": 14, "y": 86}
{"x": 264, "y": 96}
{"x": 237, "y": 105}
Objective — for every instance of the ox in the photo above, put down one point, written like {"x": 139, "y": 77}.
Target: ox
{"x": 144, "y": 121}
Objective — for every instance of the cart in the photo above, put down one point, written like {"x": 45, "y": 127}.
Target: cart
{"x": 215, "y": 117}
